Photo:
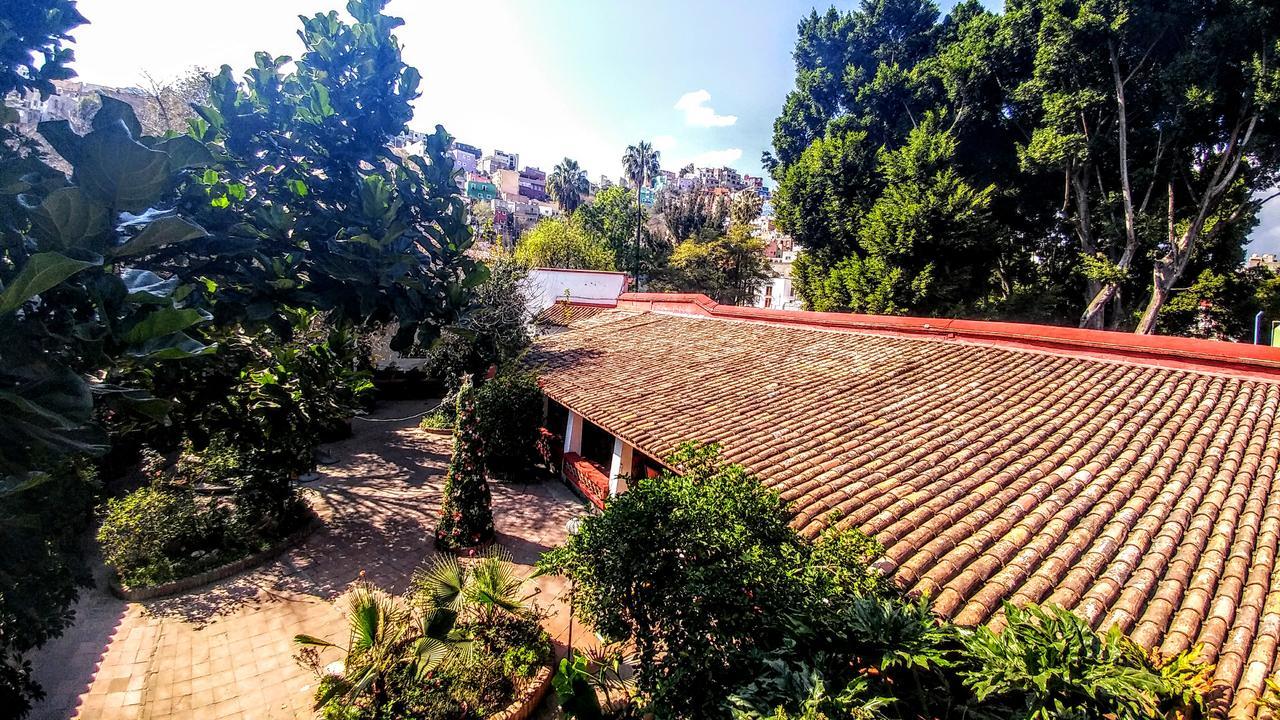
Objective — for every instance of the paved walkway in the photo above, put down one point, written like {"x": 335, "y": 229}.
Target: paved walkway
{"x": 226, "y": 651}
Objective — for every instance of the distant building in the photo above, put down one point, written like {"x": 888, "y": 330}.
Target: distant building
{"x": 408, "y": 140}
{"x": 465, "y": 157}
{"x": 480, "y": 187}
{"x": 508, "y": 183}
{"x": 1266, "y": 260}
{"x": 533, "y": 184}
{"x": 71, "y": 101}
{"x": 499, "y": 160}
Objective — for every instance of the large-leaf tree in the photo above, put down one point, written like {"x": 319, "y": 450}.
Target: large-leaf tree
{"x": 305, "y": 179}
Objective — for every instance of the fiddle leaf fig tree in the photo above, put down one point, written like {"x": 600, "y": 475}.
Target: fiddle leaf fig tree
{"x": 305, "y": 177}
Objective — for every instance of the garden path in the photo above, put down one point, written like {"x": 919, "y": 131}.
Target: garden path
{"x": 226, "y": 651}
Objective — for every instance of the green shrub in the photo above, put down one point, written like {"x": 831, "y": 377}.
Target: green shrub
{"x": 509, "y": 416}
{"x": 1047, "y": 663}
{"x": 157, "y": 534}
{"x": 439, "y": 419}
{"x": 696, "y": 569}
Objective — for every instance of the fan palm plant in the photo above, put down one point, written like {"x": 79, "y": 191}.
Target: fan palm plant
{"x": 640, "y": 164}
{"x": 568, "y": 184}
{"x": 383, "y": 636}
{"x": 449, "y": 591}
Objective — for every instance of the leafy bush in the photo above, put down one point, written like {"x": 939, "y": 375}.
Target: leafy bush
{"x": 509, "y": 419}
{"x": 695, "y": 569}
{"x": 1049, "y": 664}
{"x": 40, "y": 562}
{"x": 157, "y": 534}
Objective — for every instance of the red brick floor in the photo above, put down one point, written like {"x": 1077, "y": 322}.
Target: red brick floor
{"x": 225, "y": 651}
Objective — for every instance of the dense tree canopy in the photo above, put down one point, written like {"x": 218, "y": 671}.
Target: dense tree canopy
{"x": 1060, "y": 161}
{"x": 563, "y": 243}
{"x": 730, "y": 268}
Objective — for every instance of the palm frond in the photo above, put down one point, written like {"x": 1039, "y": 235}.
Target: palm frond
{"x": 440, "y": 583}
{"x": 312, "y": 640}
{"x": 427, "y": 654}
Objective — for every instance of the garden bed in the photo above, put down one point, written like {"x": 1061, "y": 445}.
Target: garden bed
{"x": 529, "y": 697}
{"x": 221, "y": 572}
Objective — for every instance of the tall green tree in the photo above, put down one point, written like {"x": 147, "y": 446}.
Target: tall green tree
{"x": 611, "y": 217}
{"x": 563, "y": 243}
{"x": 1118, "y": 156}
{"x": 1159, "y": 117}
{"x": 568, "y": 184}
{"x": 640, "y": 165}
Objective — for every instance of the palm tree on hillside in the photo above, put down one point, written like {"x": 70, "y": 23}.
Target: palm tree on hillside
{"x": 567, "y": 184}
{"x": 640, "y": 165}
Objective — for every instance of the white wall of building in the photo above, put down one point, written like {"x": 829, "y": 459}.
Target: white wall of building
{"x": 592, "y": 287}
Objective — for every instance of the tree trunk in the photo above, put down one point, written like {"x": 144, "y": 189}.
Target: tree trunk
{"x": 1160, "y": 286}
{"x": 1095, "y": 313}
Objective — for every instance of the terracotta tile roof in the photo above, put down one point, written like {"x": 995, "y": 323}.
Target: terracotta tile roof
{"x": 563, "y": 314}
{"x": 1141, "y": 494}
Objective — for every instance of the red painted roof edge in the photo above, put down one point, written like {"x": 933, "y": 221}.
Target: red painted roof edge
{"x": 1163, "y": 350}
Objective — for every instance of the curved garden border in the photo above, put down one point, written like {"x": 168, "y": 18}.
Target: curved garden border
{"x": 437, "y": 431}
{"x": 219, "y": 573}
{"x": 529, "y": 698}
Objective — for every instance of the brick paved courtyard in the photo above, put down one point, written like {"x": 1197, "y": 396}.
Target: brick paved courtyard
{"x": 225, "y": 651}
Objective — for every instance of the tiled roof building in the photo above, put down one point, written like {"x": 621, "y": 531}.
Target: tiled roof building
{"x": 1132, "y": 480}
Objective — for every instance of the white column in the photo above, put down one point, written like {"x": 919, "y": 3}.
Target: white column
{"x": 573, "y": 433}
{"x": 618, "y": 466}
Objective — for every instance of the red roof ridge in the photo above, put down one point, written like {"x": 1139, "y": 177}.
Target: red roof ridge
{"x": 1239, "y": 359}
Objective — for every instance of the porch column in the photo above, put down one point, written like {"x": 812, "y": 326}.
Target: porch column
{"x": 618, "y": 466}
{"x": 573, "y": 433}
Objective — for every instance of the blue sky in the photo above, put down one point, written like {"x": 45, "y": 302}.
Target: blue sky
{"x": 546, "y": 79}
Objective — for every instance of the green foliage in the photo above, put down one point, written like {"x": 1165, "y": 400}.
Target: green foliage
{"x": 695, "y": 569}
{"x": 157, "y": 534}
{"x": 31, "y": 28}
{"x": 612, "y": 219}
{"x": 1071, "y": 166}
{"x": 563, "y": 243}
{"x": 455, "y": 648}
{"x": 1048, "y": 664}
{"x": 41, "y": 528}
{"x": 730, "y": 268}
{"x": 1222, "y": 306}
{"x": 350, "y": 227}
{"x": 466, "y": 512}
{"x": 509, "y": 418}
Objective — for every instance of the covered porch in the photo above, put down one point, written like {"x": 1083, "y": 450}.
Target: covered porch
{"x": 592, "y": 460}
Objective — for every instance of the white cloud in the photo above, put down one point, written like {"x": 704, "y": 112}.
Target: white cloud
{"x": 698, "y": 113}
{"x": 664, "y": 143}
{"x": 717, "y": 158}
